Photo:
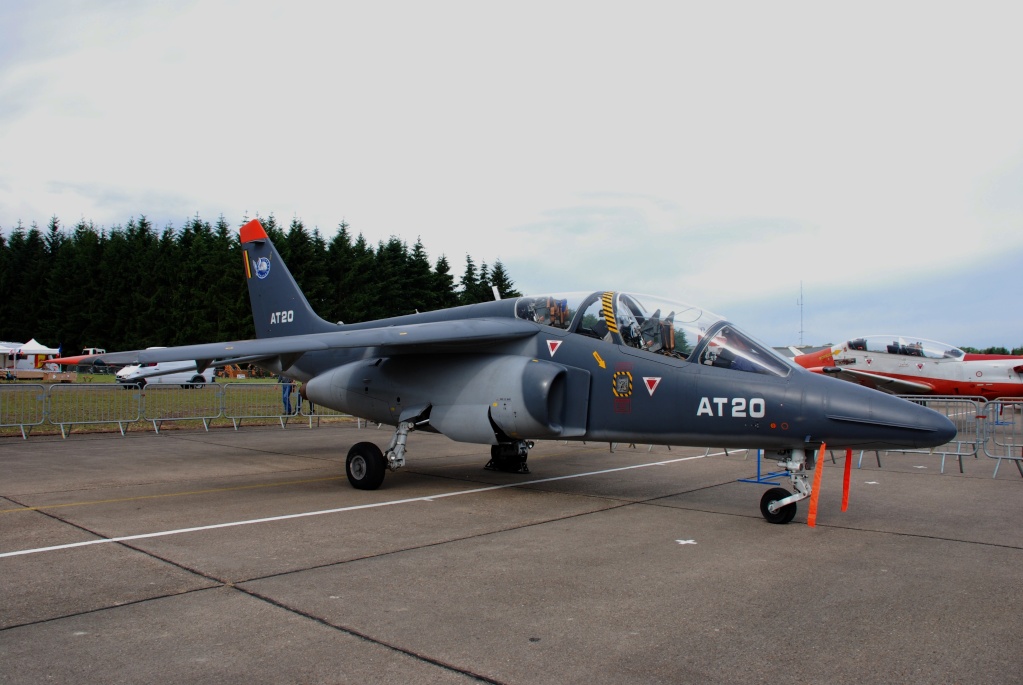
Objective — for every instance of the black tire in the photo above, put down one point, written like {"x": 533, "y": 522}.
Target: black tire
{"x": 783, "y": 515}
{"x": 197, "y": 381}
{"x": 501, "y": 461}
{"x": 365, "y": 466}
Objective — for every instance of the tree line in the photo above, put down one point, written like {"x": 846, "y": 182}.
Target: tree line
{"x": 133, "y": 286}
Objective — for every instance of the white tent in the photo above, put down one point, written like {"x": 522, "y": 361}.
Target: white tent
{"x": 32, "y": 354}
{"x": 6, "y": 353}
{"x": 32, "y": 347}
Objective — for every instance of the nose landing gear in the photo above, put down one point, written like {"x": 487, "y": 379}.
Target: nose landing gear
{"x": 777, "y": 505}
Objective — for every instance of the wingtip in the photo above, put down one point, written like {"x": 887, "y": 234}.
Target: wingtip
{"x": 252, "y": 231}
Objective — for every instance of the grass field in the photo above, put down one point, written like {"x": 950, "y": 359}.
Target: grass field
{"x": 103, "y": 405}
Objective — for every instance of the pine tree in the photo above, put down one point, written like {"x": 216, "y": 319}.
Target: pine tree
{"x": 132, "y": 287}
{"x": 62, "y": 317}
{"x": 231, "y": 298}
{"x": 499, "y": 278}
{"x": 86, "y": 260}
{"x": 469, "y": 284}
{"x": 419, "y": 281}
{"x": 444, "y": 284}
{"x": 29, "y": 267}
{"x": 391, "y": 295}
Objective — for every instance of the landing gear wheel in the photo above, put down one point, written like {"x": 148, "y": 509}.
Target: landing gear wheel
{"x": 507, "y": 457}
{"x": 783, "y": 515}
{"x": 365, "y": 466}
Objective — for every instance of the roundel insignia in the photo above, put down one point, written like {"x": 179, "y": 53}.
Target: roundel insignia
{"x": 262, "y": 267}
{"x": 621, "y": 384}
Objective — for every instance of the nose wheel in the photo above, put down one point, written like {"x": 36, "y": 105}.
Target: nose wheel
{"x": 783, "y": 514}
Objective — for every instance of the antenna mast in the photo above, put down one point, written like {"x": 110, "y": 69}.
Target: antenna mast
{"x": 800, "y": 303}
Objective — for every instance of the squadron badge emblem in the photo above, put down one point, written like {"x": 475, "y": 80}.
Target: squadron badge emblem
{"x": 262, "y": 267}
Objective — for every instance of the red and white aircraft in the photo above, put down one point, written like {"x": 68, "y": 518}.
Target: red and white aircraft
{"x": 907, "y": 366}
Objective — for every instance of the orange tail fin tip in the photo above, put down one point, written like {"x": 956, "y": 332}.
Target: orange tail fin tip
{"x": 252, "y": 231}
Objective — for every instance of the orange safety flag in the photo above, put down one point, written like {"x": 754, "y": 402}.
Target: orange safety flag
{"x": 811, "y": 517}
{"x": 845, "y": 481}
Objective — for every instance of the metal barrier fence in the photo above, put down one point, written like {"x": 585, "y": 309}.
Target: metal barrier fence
{"x": 93, "y": 403}
{"x": 67, "y": 406}
{"x": 1005, "y": 432}
{"x": 967, "y": 413}
{"x": 22, "y": 406}
{"x": 171, "y": 403}
{"x": 265, "y": 401}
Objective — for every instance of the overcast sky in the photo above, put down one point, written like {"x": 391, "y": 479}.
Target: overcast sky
{"x": 718, "y": 153}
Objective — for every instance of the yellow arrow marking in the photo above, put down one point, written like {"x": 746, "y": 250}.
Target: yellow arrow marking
{"x": 600, "y": 362}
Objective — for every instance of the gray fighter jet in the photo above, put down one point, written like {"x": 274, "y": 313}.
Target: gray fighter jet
{"x": 605, "y": 366}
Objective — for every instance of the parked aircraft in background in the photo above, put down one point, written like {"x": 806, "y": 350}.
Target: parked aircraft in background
{"x": 166, "y": 373}
{"x": 602, "y": 366}
{"x": 908, "y": 366}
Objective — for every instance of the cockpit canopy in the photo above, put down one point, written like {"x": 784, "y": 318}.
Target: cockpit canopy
{"x": 655, "y": 325}
{"x": 911, "y": 347}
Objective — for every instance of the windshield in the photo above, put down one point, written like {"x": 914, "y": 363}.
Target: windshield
{"x": 653, "y": 324}
{"x": 911, "y": 347}
{"x": 730, "y": 348}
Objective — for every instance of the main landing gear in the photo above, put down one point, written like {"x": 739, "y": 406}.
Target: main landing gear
{"x": 509, "y": 456}
{"x": 366, "y": 463}
{"x": 777, "y": 505}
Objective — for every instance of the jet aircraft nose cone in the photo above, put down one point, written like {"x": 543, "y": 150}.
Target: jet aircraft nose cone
{"x": 869, "y": 419}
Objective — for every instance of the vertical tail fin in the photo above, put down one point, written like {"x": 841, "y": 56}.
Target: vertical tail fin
{"x": 278, "y": 305}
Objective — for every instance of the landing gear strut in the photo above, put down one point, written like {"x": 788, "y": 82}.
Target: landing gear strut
{"x": 777, "y": 505}
{"x": 509, "y": 456}
{"x": 395, "y": 452}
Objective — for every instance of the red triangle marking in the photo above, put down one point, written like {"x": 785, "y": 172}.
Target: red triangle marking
{"x": 553, "y": 345}
{"x": 651, "y": 383}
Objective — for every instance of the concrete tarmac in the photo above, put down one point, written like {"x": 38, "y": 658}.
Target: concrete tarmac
{"x": 245, "y": 557}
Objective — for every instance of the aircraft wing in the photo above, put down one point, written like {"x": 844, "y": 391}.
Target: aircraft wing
{"x": 438, "y": 336}
{"x": 898, "y": 386}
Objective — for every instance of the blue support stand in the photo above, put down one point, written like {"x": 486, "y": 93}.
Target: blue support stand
{"x": 764, "y": 478}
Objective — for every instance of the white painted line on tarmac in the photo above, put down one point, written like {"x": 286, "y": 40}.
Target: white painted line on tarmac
{"x": 339, "y": 510}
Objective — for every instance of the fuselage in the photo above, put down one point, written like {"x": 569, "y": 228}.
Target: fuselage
{"x": 921, "y": 367}
{"x": 584, "y": 376}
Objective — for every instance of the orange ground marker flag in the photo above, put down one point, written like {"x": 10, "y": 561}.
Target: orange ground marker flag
{"x": 811, "y": 516}
{"x": 845, "y": 481}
